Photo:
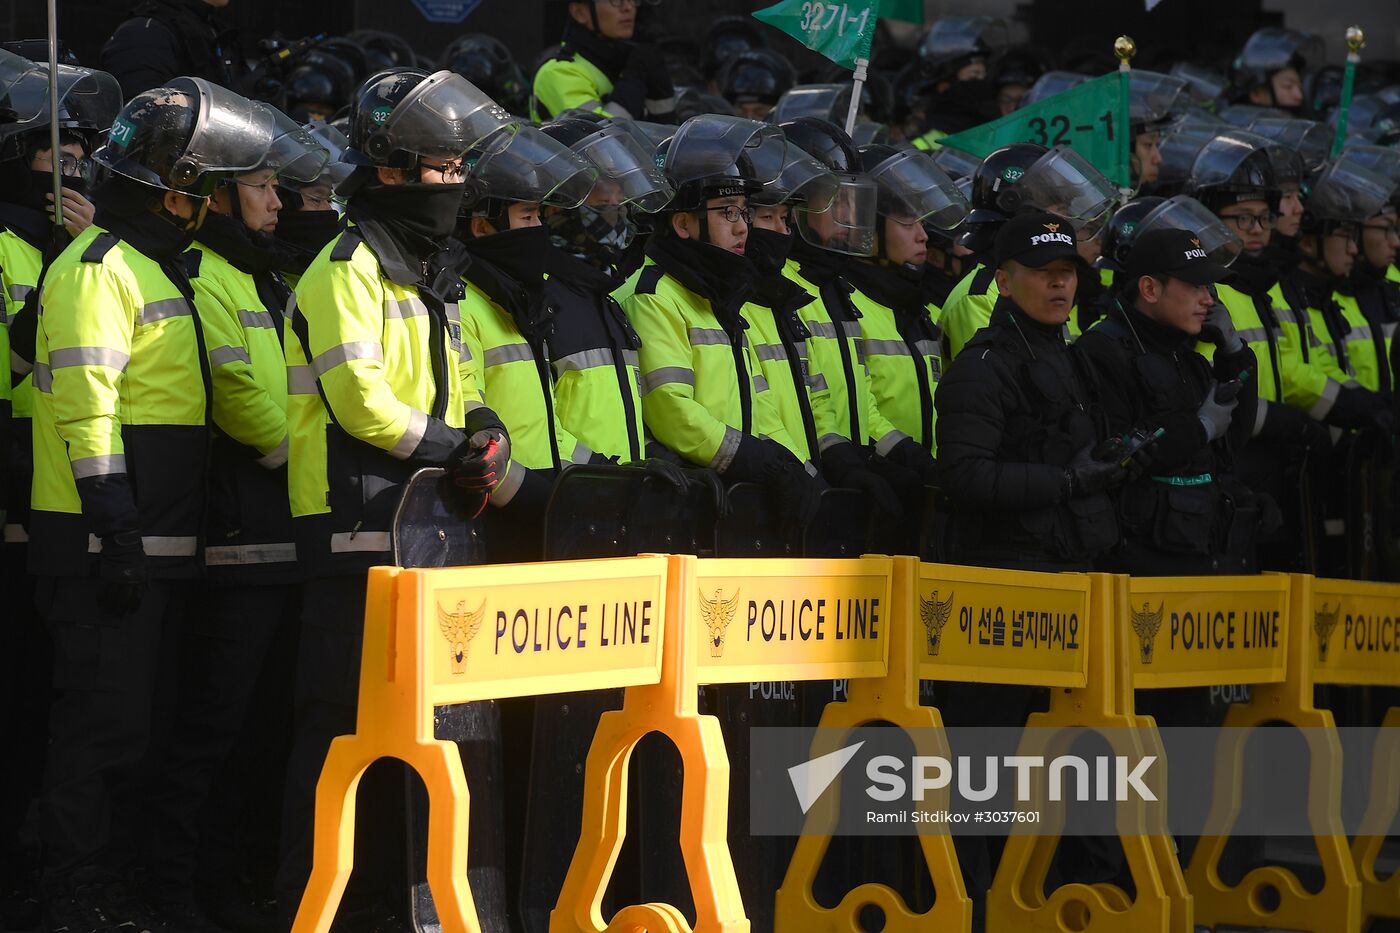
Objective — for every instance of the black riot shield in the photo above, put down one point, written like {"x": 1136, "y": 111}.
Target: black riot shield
{"x": 426, "y": 534}
{"x": 751, "y": 527}
{"x": 596, "y": 512}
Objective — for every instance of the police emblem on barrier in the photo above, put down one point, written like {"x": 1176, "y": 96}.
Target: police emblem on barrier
{"x": 1146, "y": 623}
{"x": 718, "y": 613}
{"x": 935, "y": 616}
{"x": 1324, "y": 620}
{"x": 459, "y": 627}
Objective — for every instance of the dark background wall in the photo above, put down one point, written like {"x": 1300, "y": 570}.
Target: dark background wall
{"x": 1203, "y": 30}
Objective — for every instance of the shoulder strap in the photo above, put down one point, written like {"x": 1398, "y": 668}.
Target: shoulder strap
{"x": 193, "y": 258}
{"x": 647, "y": 281}
{"x": 345, "y": 247}
{"x": 99, "y": 247}
{"x": 982, "y": 280}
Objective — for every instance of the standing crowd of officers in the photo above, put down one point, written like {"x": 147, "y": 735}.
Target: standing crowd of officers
{"x": 251, "y": 330}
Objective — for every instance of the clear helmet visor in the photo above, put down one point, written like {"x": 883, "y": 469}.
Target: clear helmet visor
{"x": 1349, "y": 192}
{"x": 24, "y": 88}
{"x": 823, "y": 101}
{"x": 1179, "y": 148}
{"x": 1219, "y": 160}
{"x": 955, "y": 163}
{"x": 534, "y": 167}
{"x": 711, "y": 144}
{"x": 1382, "y": 160}
{"x": 86, "y": 97}
{"x": 1205, "y": 85}
{"x": 231, "y": 133}
{"x": 848, "y": 225}
{"x": 1221, "y": 243}
{"x": 1063, "y": 182}
{"x": 628, "y": 165}
{"x": 1154, "y": 96}
{"x": 296, "y": 156}
{"x": 335, "y": 143}
{"x": 913, "y": 188}
{"x": 1243, "y": 115}
{"x": 1273, "y": 48}
{"x": 1050, "y": 84}
{"x": 961, "y": 35}
{"x": 443, "y": 117}
{"x": 1310, "y": 139}
{"x": 802, "y": 180}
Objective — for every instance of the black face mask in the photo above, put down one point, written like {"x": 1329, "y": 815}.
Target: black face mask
{"x": 426, "y": 210}
{"x": 768, "y": 250}
{"x": 308, "y": 230}
{"x": 29, "y": 188}
{"x": 523, "y": 252}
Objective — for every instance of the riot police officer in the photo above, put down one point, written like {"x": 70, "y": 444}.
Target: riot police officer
{"x": 956, "y": 59}
{"x": 310, "y": 217}
{"x": 165, "y": 38}
{"x": 1177, "y": 520}
{"x": 703, "y": 394}
{"x": 359, "y": 423}
{"x": 1269, "y": 69}
{"x": 506, "y": 321}
{"x": 598, "y": 67}
{"x": 119, "y": 486}
{"x": 752, "y": 82}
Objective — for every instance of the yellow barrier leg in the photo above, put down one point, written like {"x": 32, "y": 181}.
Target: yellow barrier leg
{"x": 1337, "y": 907}
{"x": 394, "y": 721}
{"x": 1016, "y": 901}
{"x": 1380, "y": 897}
{"x": 894, "y": 699}
{"x": 670, "y": 708}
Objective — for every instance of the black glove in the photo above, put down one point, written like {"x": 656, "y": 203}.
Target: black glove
{"x": 1357, "y": 407}
{"x": 708, "y": 480}
{"x": 1086, "y": 476}
{"x": 647, "y": 64}
{"x": 663, "y": 470}
{"x": 482, "y": 463}
{"x": 879, "y": 494}
{"x": 121, "y": 570}
{"x": 465, "y": 503}
{"x": 1284, "y": 424}
{"x": 756, "y": 460}
{"x": 845, "y": 465}
{"x": 797, "y": 493}
{"x": 910, "y": 454}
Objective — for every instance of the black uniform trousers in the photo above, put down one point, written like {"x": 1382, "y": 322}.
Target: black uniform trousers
{"x": 26, "y": 663}
{"x": 227, "y": 648}
{"x": 114, "y": 678}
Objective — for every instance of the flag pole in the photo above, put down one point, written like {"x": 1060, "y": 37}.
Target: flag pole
{"x": 56, "y": 155}
{"x": 1124, "y": 48}
{"x": 856, "y": 87}
{"x": 1356, "y": 41}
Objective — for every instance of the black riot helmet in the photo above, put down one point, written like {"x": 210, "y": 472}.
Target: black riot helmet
{"x": 1229, "y": 169}
{"x": 912, "y": 187}
{"x": 1269, "y": 51}
{"x": 756, "y": 76}
{"x": 532, "y": 167}
{"x": 1122, "y": 230}
{"x": 996, "y": 176}
{"x": 955, "y": 41}
{"x": 715, "y": 155}
{"x": 384, "y": 49}
{"x": 486, "y": 62}
{"x": 400, "y": 116}
{"x": 727, "y": 37}
{"x": 88, "y": 101}
{"x": 623, "y": 156}
{"x": 187, "y": 137}
{"x": 351, "y": 53}
{"x": 1346, "y": 193}
{"x": 318, "y": 86}
{"x": 824, "y": 141}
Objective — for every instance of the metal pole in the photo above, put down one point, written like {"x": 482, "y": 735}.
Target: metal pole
{"x": 1124, "y": 48}
{"x": 56, "y": 154}
{"x": 856, "y": 87}
{"x": 1356, "y": 41}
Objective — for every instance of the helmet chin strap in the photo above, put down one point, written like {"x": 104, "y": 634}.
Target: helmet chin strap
{"x": 704, "y": 214}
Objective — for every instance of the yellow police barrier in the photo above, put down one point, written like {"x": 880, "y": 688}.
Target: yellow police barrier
{"x": 442, "y": 637}
{"x": 1354, "y": 638}
{"x": 1099, "y": 700}
{"x": 730, "y": 621}
{"x": 893, "y": 697}
{"x": 1230, "y": 629}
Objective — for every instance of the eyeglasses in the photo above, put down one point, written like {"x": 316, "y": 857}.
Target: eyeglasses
{"x": 1247, "y": 222}
{"x": 455, "y": 169}
{"x": 263, "y": 186}
{"x": 73, "y": 167}
{"x": 733, "y": 213}
{"x": 1391, "y": 231}
{"x": 1345, "y": 232}
{"x": 619, "y": 4}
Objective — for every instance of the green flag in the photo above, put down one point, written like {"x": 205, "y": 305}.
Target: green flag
{"x": 910, "y": 11}
{"x": 840, "y": 31}
{"x": 1092, "y": 118}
